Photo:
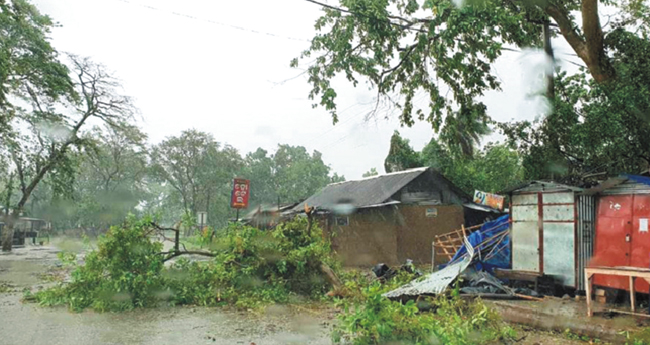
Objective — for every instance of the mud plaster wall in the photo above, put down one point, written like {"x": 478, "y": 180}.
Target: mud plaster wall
{"x": 369, "y": 238}
{"x": 391, "y": 234}
{"x": 416, "y": 230}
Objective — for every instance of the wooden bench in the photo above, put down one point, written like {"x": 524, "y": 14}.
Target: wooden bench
{"x": 631, "y": 272}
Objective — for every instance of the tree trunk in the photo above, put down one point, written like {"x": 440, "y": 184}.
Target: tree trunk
{"x": 589, "y": 48}
{"x": 550, "y": 74}
{"x": 8, "y": 231}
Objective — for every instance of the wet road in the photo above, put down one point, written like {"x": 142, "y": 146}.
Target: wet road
{"x": 27, "y": 323}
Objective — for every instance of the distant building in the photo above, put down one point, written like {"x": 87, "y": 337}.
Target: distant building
{"x": 24, "y": 228}
{"x": 266, "y": 216}
{"x": 393, "y": 217}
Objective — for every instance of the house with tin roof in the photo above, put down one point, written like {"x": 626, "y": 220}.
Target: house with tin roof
{"x": 392, "y": 217}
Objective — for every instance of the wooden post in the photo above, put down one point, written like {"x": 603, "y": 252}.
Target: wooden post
{"x": 632, "y": 297}
{"x": 433, "y": 257}
{"x": 588, "y": 292}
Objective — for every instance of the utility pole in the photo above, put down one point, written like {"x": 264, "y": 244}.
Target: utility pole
{"x": 548, "y": 49}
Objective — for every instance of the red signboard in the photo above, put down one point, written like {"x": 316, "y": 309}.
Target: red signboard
{"x": 240, "y": 193}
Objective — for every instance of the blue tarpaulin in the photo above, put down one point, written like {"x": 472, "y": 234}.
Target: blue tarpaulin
{"x": 501, "y": 254}
{"x": 639, "y": 179}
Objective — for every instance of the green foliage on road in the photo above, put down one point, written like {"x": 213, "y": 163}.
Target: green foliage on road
{"x": 375, "y": 319}
{"x": 123, "y": 273}
{"x": 251, "y": 268}
{"x": 254, "y": 268}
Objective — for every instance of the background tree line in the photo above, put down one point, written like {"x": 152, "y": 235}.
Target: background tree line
{"x": 118, "y": 173}
{"x": 71, "y": 151}
{"x": 492, "y": 168}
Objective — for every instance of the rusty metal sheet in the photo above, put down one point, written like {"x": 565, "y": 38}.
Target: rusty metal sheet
{"x": 524, "y": 199}
{"x": 524, "y": 213}
{"x": 559, "y": 252}
{"x": 559, "y": 213}
{"x": 525, "y": 246}
{"x": 555, "y": 198}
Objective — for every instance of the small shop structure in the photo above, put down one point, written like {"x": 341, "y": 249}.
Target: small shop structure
{"x": 552, "y": 232}
{"x": 622, "y": 230}
{"x": 393, "y": 217}
{"x": 25, "y": 228}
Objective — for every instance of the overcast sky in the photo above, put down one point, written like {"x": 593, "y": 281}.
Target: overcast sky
{"x": 223, "y": 67}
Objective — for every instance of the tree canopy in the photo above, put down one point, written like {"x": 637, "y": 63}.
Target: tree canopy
{"x": 401, "y": 155}
{"x": 443, "y": 50}
{"x": 491, "y": 169}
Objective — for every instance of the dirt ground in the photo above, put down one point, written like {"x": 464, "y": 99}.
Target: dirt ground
{"x": 28, "y": 323}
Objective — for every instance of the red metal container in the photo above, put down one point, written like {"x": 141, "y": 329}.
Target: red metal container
{"x": 622, "y": 236}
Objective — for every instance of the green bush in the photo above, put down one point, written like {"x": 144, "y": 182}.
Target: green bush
{"x": 378, "y": 320}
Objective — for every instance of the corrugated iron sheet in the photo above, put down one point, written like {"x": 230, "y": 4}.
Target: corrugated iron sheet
{"x": 555, "y": 203}
{"x": 628, "y": 187}
{"x": 541, "y": 186}
{"x": 362, "y": 193}
{"x": 436, "y": 282}
{"x": 586, "y": 231}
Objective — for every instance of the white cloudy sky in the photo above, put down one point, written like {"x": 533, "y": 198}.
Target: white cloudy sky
{"x": 203, "y": 73}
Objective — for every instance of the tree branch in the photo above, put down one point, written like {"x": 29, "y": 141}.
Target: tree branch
{"x": 598, "y": 63}
{"x": 408, "y": 26}
{"x": 561, "y": 17}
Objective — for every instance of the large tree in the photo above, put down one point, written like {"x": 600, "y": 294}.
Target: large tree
{"x": 44, "y": 140}
{"x": 110, "y": 180}
{"x": 401, "y": 155}
{"x": 595, "y": 130}
{"x": 199, "y": 170}
{"x": 29, "y": 65}
{"x": 289, "y": 175}
{"x": 445, "y": 50}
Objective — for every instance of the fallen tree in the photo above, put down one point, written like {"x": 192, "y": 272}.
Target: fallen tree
{"x": 249, "y": 268}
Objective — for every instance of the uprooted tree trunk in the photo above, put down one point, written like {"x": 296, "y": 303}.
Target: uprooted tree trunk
{"x": 327, "y": 271}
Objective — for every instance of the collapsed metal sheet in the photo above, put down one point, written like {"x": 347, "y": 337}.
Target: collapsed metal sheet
{"x": 433, "y": 283}
{"x": 436, "y": 282}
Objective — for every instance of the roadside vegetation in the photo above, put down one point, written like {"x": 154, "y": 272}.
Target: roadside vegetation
{"x": 250, "y": 269}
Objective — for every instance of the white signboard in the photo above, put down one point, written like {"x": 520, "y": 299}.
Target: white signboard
{"x": 201, "y": 218}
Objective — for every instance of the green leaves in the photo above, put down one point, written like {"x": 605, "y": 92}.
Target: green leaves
{"x": 123, "y": 273}
{"x": 401, "y": 155}
{"x": 28, "y": 63}
{"x": 378, "y": 320}
{"x": 404, "y": 52}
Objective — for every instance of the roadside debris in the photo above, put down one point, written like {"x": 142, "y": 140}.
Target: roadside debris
{"x": 385, "y": 272}
{"x": 472, "y": 265}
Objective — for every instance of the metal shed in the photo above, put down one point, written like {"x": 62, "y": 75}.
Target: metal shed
{"x": 552, "y": 230}
{"x": 622, "y": 236}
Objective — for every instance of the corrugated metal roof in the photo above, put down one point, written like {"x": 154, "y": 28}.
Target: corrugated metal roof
{"x": 624, "y": 184}
{"x": 365, "y": 192}
{"x": 541, "y": 186}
